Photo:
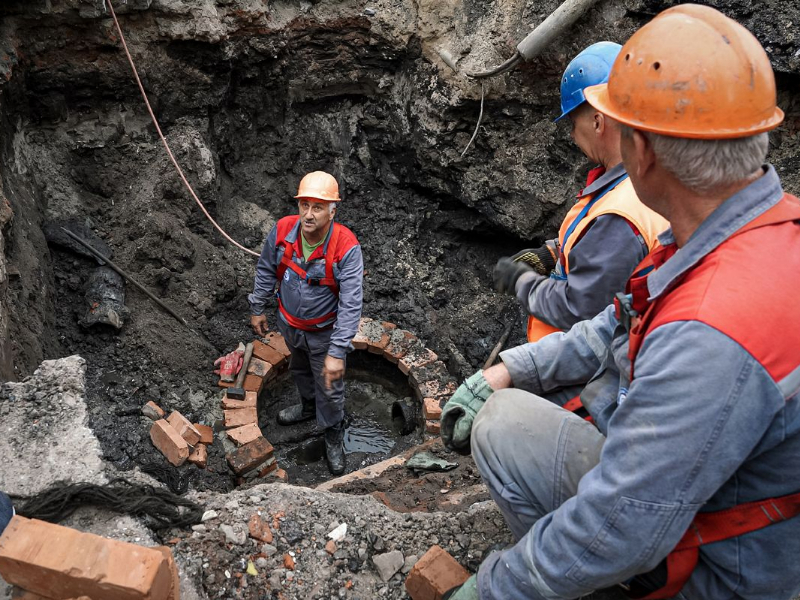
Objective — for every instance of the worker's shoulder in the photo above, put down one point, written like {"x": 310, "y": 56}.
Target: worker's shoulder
{"x": 287, "y": 222}
{"x": 347, "y": 239}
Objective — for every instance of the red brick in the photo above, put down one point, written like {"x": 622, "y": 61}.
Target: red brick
{"x": 268, "y": 354}
{"x": 260, "y": 368}
{"x": 250, "y": 456}
{"x": 199, "y": 456}
{"x": 377, "y": 335}
{"x": 288, "y": 562}
{"x": 435, "y": 389}
{"x": 250, "y": 401}
{"x": 259, "y": 529}
{"x": 242, "y": 416}
{"x": 269, "y": 467}
{"x": 399, "y": 343}
{"x": 184, "y": 427}
{"x": 153, "y": 410}
{"x": 175, "y": 592}
{"x": 330, "y": 547}
{"x": 431, "y": 408}
{"x": 224, "y": 384}
{"x": 361, "y": 341}
{"x": 417, "y": 356}
{"x": 244, "y": 434}
{"x": 58, "y": 562}
{"x": 253, "y": 383}
{"x": 433, "y": 427}
{"x": 434, "y": 574}
{"x": 281, "y": 475}
{"x": 435, "y": 371}
{"x": 276, "y": 341}
{"x": 169, "y": 442}
{"x": 206, "y": 434}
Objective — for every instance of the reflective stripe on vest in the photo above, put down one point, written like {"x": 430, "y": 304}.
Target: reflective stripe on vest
{"x": 683, "y": 302}
{"x": 623, "y": 202}
{"x": 329, "y": 280}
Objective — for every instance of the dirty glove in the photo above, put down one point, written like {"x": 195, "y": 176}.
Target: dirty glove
{"x": 466, "y": 591}
{"x": 230, "y": 364}
{"x": 506, "y": 273}
{"x": 460, "y": 411}
{"x": 542, "y": 259}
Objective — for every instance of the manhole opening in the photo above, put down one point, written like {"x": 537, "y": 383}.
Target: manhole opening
{"x": 372, "y": 387}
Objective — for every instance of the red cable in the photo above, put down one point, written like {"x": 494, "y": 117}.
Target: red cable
{"x": 164, "y": 141}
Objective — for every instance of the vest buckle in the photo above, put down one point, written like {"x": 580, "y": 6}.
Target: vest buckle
{"x": 623, "y": 307}
{"x": 313, "y": 280}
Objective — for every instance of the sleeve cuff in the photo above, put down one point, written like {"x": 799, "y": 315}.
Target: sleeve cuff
{"x": 521, "y": 368}
{"x": 337, "y": 351}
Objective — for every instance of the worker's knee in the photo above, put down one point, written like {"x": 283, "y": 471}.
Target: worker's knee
{"x": 493, "y": 422}
{"x": 6, "y": 511}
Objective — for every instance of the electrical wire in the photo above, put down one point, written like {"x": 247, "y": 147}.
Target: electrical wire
{"x": 478, "y": 125}
{"x": 164, "y": 140}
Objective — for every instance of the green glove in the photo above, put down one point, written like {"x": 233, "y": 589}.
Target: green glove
{"x": 460, "y": 411}
{"x": 466, "y": 591}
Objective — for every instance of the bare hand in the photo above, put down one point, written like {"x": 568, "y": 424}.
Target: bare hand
{"x": 332, "y": 370}
{"x": 259, "y": 324}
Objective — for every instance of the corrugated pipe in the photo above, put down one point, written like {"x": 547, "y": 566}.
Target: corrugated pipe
{"x": 540, "y": 38}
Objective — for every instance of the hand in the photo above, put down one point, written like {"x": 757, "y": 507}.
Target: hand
{"x": 259, "y": 325}
{"x": 506, "y": 273}
{"x": 461, "y": 410}
{"x": 332, "y": 370}
{"x": 466, "y": 591}
{"x": 542, "y": 259}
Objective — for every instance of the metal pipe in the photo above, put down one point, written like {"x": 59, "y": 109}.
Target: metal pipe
{"x": 540, "y": 38}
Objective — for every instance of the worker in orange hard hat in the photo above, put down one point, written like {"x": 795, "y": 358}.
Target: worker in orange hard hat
{"x": 314, "y": 267}
{"x": 688, "y": 486}
{"x": 605, "y": 234}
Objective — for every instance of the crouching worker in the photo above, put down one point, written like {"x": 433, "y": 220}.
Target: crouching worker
{"x": 6, "y": 511}
{"x": 689, "y": 486}
{"x": 315, "y": 269}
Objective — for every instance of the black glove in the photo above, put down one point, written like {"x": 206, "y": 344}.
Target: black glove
{"x": 506, "y": 273}
{"x": 541, "y": 259}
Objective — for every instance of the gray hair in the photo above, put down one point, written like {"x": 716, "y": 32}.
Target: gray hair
{"x": 331, "y": 206}
{"x": 704, "y": 165}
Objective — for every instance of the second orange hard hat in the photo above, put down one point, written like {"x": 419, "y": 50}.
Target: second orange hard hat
{"x": 318, "y": 185}
{"x": 691, "y": 72}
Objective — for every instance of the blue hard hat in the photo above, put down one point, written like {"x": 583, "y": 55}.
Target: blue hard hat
{"x": 590, "y": 67}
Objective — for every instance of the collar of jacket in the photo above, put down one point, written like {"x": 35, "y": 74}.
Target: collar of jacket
{"x": 727, "y": 219}
{"x": 319, "y": 252}
{"x": 601, "y": 182}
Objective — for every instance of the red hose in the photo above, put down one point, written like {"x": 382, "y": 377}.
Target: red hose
{"x": 164, "y": 140}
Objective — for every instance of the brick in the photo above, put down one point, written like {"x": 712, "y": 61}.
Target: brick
{"x": 199, "y": 456}
{"x": 434, "y": 574}
{"x": 433, "y": 427}
{"x": 435, "y": 389}
{"x": 224, "y": 384}
{"x": 377, "y": 335}
{"x": 259, "y": 529}
{"x": 276, "y": 342}
{"x": 417, "y": 356}
{"x": 244, "y": 434}
{"x": 175, "y": 590}
{"x": 250, "y": 456}
{"x": 268, "y": 354}
{"x": 169, "y": 442}
{"x": 431, "y": 408}
{"x": 153, "y": 411}
{"x": 435, "y": 371}
{"x": 253, "y": 383}
{"x": 184, "y": 427}
{"x": 399, "y": 343}
{"x": 250, "y": 401}
{"x": 269, "y": 467}
{"x": 242, "y": 416}
{"x": 260, "y": 368}
{"x": 206, "y": 434}
{"x": 288, "y": 562}
{"x": 58, "y": 562}
{"x": 281, "y": 475}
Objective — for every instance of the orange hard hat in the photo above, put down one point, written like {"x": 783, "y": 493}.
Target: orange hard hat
{"x": 318, "y": 185}
{"x": 691, "y": 72}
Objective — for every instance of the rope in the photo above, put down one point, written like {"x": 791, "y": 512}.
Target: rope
{"x": 168, "y": 475}
{"x": 477, "y": 125}
{"x": 160, "y": 508}
{"x": 164, "y": 140}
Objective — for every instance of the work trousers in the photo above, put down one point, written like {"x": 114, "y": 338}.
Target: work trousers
{"x": 309, "y": 349}
{"x": 6, "y": 511}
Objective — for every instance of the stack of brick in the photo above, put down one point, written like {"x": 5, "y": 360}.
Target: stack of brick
{"x": 270, "y": 359}
{"x": 177, "y": 438}
{"x": 254, "y": 455}
{"x": 48, "y": 561}
{"x": 427, "y": 375}
{"x": 434, "y": 574}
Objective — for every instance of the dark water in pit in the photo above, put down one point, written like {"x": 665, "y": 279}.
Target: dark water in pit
{"x": 371, "y": 387}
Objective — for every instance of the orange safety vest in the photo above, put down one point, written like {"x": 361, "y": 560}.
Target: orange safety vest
{"x": 704, "y": 295}
{"x": 618, "y": 199}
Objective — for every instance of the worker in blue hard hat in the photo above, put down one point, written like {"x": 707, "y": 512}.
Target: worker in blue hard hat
{"x": 606, "y": 233}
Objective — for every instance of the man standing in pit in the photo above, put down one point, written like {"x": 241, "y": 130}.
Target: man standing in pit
{"x": 689, "y": 485}
{"x": 606, "y": 233}
{"x": 315, "y": 269}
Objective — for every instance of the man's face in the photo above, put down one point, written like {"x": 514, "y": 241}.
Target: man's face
{"x": 583, "y": 132}
{"x": 314, "y": 216}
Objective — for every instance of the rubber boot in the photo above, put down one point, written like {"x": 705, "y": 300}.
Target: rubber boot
{"x": 334, "y": 448}
{"x": 297, "y": 413}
